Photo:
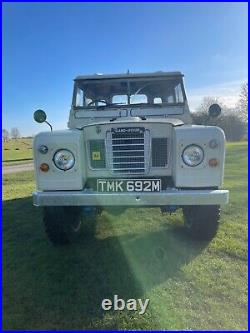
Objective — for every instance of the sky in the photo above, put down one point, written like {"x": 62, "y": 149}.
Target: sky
{"x": 46, "y": 45}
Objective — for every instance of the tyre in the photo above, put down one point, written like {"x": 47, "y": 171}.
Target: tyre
{"x": 201, "y": 222}
{"x": 62, "y": 224}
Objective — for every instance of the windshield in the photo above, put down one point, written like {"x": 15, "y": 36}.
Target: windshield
{"x": 117, "y": 93}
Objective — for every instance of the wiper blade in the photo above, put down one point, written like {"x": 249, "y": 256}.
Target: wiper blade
{"x": 100, "y": 107}
{"x": 146, "y": 104}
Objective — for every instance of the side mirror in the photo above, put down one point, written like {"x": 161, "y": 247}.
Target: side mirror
{"x": 214, "y": 110}
{"x": 40, "y": 116}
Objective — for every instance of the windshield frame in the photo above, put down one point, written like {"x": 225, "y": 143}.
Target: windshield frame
{"x": 128, "y": 81}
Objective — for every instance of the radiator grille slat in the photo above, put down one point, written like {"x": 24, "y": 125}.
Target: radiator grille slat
{"x": 130, "y": 162}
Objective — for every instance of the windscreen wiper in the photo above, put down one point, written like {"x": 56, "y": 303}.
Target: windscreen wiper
{"x": 146, "y": 104}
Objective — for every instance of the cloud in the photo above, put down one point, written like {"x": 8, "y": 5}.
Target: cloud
{"x": 227, "y": 92}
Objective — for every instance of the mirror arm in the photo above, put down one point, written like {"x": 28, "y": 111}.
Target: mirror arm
{"x": 48, "y": 124}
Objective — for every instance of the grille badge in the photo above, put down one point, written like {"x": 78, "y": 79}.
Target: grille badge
{"x": 128, "y": 130}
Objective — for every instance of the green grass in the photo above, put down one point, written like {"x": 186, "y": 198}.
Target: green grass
{"x": 137, "y": 254}
{"x": 17, "y": 151}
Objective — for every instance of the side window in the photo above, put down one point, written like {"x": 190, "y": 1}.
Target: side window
{"x": 120, "y": 99}
{"x": 157, "y": 100}
{"x": 139, "y": 98}
{"x": 79, "y": 97}
{"x": 178, "y": 94}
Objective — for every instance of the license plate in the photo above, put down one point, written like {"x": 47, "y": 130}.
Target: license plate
{"x": 128, "y": 185}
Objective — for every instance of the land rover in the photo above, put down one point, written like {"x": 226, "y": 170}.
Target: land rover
{"x": 130, "y": 142}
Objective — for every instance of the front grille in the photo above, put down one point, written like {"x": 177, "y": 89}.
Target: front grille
{"x": 159, "y": 152}
{"x": 128, "y": 150}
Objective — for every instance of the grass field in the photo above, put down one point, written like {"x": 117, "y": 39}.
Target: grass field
{"x": 138, "y": 254}
{"x": 17, "y": 152}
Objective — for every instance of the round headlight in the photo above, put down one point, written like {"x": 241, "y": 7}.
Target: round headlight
{"x": 64, "y": 159}
{"x": 193, "y": 155}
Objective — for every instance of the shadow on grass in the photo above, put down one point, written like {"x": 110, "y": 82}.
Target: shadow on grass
{"x": 19, "y": 160}
{"x": 62, "y": 288}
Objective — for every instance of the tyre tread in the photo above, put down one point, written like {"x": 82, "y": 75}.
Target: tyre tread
{"x": 202, "y": 222}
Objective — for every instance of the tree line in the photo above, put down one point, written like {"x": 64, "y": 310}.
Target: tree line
{"x": 13, "y": 134}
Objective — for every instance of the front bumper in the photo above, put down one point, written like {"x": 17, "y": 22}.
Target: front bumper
{"x": 131, "y": 199}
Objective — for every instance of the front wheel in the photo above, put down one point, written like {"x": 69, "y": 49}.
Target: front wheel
{"x": 62, "y": 224}
{"x": 201, "y": 222}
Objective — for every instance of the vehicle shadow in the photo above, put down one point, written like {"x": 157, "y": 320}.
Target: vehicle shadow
{"x": 67, "y": 285}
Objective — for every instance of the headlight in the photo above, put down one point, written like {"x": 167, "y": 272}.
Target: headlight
{"x": 64, "y": 159}
{"x": 193, "y": 155}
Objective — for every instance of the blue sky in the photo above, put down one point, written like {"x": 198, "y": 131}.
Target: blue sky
{"x": 45, "y": 45}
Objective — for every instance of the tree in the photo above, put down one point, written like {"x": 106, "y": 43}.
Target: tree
{"x": 5, "y": 135}
{"x": 233, "y": 126}
{"x": 15, "y": 134}
{"x": 243, "y": 102}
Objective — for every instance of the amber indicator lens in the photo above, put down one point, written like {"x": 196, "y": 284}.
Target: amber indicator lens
{"x": 213, "y": 162}
{"x": 44, "y": 167}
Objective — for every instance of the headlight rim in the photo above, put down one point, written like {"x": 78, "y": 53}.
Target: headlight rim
{"x": 203, "y": 155}
{"x": 64, "y": 149}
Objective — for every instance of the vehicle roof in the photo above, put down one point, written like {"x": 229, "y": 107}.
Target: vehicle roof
{"x": 98, "y": 76}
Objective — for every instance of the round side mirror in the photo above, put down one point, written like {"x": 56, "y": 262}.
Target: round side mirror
{"x": 40, "y": 116}
{"x": 214, "y": 110}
